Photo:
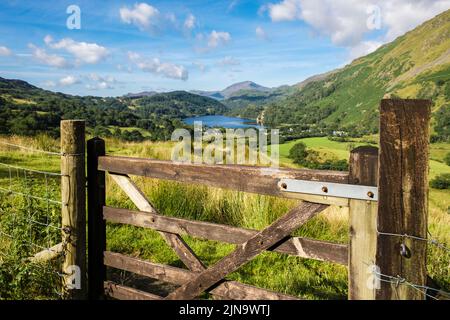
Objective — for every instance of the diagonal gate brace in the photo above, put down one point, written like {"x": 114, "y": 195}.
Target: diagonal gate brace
{"x": 247, "y": 251}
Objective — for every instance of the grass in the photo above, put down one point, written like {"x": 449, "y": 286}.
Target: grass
{"x": 145, "y": 133}
{"x": 291, "y": 275}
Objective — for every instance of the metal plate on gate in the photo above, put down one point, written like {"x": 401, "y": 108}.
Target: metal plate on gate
{"x": 330, "y": 189}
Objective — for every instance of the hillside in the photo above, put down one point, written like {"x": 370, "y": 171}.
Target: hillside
{"x": 29, "y": 110}
{"x": 415, "y": 65}
{"x": 179, "y": 104}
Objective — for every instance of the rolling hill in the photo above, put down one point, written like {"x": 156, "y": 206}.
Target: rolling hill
{"x": 415, "y": 65}
{"x": 26, "y": 109}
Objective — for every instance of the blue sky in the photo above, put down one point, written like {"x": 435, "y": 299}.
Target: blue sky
{"x": 132, "y": 46}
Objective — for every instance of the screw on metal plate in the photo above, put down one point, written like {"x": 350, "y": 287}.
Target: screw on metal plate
{"x": 370, "y": 194}
{"x": 283, "y": 185}
{"x": 325, "y": 189}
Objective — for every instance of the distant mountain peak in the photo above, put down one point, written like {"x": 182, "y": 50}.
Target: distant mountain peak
{"x": 232, "y": 89}
{"x": 244, "y": 85}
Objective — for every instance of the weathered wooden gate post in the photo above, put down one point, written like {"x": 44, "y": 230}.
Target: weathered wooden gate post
{"x": 387, "y": 249}
{"x": 363, "y": 170}
{"x": 403, "y": 197}
{"x": 96, "y": 225}
{"x": 73, "y": 195}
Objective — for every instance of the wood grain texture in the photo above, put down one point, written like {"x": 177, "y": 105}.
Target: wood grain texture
{"x": 227, "y": 289}
{"x": 73, "y": 194}
{"x": 403, "y": 189}
{"x": 261, "y": 180}
{"x": 248, "y": 250}
{"x": 363, "y": 170}
{"x": 302, "y": 247}
{"x": 120, "y": 292}
{"x": 48, "y": 254}
{"x": 175, "y": 241}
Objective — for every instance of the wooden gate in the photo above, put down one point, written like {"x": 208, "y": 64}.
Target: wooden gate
{"x": 376, "y": 221}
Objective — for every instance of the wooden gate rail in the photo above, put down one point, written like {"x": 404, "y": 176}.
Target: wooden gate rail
{"x": 398, "y": 170}
{"x": 226, "y": 289}
{"x": 261, "y": 180}
{"x": 296, "y": 246}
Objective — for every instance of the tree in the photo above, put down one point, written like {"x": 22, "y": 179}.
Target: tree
{"x": 298, "y": 153}
{"x": 441, "y": 181}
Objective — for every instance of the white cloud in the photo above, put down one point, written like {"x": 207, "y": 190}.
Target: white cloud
{"x": 347, "y": 22}
{"x": 364, "y": 48}
{"x": 155, "y": 66}
{"x": 232, "y": 5}
{"x": 190, "y": 22}
{"x": 402, "y": 16}
{"x": 229, "y": 61}
{"x": 218, "y": 38}
{"x": 121, "y": 67}
{"x": 49, "y": 84}
{"x": 48, "y": 39}
{"x": 287, "y": 10}
{"x": 143, "y": 15}
{"x": 99, "y": 82}
{"x": 95, "y": 77}
{"x": 4, "y": 51}
{"x": 260, "y": 33}
{"x": 84, "y": 52}
{"x": 49, "y": 59}
{"x": 99, "y": 86}
{"x": 200, "y": 66}
{"x": 171, "y": 18}
{"x": 68, "y": 81}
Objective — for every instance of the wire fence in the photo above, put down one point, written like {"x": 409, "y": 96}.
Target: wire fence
{"x": 30, "y": 224}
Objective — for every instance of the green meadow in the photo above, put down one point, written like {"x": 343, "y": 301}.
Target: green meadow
{"x": 304, "y": 278}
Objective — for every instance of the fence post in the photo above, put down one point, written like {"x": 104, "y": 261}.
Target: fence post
{"x": 363, "y": 170}
{"x": 403, "y": 196}
{"x": 96, "y": 223}
{"x": 73, "y": 195}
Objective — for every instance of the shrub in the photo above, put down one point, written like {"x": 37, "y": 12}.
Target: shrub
{"x": 441, "y": 181}
{"x": 298, "y": 153}
{"x": 447, "y": 159}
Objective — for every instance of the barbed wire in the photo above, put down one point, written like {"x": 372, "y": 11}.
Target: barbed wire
{"x": 48, "y": 173}
{"x": 36, "y": 230}
{"x": 30, "y": 149}
{"x": 51, "y": 153}
{"x": 397, "y": 280}
{"x": 432, "y": 240}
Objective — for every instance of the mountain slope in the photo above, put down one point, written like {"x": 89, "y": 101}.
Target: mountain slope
{"x": 415, "y": 65}
{"x": 232, "y": 90}
{"x": 26, "y": 109}
{"x": 178, "y": 104}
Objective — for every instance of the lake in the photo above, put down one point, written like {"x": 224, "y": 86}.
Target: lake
{"x": 223, "y": 122}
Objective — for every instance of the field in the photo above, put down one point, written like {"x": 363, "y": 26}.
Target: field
{"x": 302, "y": 277}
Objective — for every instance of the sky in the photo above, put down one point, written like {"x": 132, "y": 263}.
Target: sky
{"x": 110, "y": 48}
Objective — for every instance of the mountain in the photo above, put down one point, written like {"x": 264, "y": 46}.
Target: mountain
{"x": 240, "y": 86}
{"x": 29, "y": 110}
{"x": 415, "y": 65}
{"x": 232, "y": 90}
